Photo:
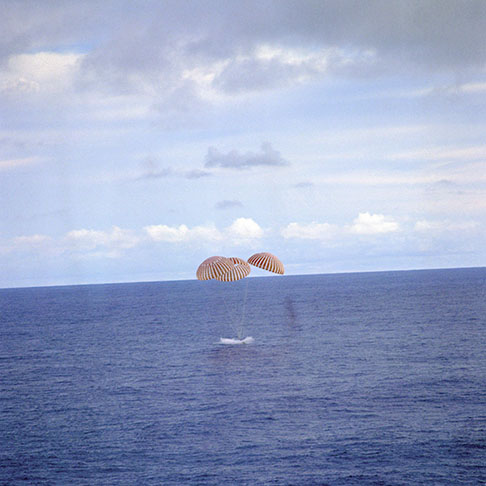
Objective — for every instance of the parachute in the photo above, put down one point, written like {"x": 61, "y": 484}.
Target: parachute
{"x": 234, "y": 269}
{"x": 240, "y": 270}
{"x": 214, "y": 267}
{"x": 267, "y": 261}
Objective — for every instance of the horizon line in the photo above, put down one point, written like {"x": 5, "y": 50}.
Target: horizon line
{"x": 350, "y": 272}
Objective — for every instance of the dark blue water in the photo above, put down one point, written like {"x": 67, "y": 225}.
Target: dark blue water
{"x": 357, "y": 379}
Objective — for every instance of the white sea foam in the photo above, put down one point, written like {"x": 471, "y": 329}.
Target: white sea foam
{"x": 247, "y": 340}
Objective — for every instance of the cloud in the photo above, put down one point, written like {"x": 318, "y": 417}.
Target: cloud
{"x": 311, "y": 231}
{"x": 303, "y": 185}
{"x": 457, "y": 89}
{"x": 376, "y": 178}
{"x": 410, "y": 29}
{"x": 27, "y": 25}
{"x": 181, "y": 233}
{"x": 427, "y": 226}
{"x": 113, "y": 243}
{"x": 235, "y": 160}
{"x": 245, "y": 228}
{"x": 449, "y": 237}
{"x": 171, "y": 172}
{"x": 444, "y": 154}
{"x": 157, "y": 174}
{"x": 115, "y": 240}
{"x": 31, "y": 241}
{"x": 151, "y": 171}
{"x": 16, "y": 163}
{"x": 370, "y": 224}
{"x": 48, "y": 72}
{"x": 228, "y": 204}
{"x": 196, "y": 174}
{"x": 270, "y": 67}
{"x": 78, "y": 243}
{"x": 240, "y": 231}
{"x": 364, "y": 224}
{"x": 444, "y": 184}
{"x": 178, "y": 67}
{"x": 471, "y": 88}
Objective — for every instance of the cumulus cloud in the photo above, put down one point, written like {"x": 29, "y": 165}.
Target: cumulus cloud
{"x": 245, "y": 228}
{"x": 113, "y": 243}
{"x": 268, "y": 156}
{"x": 370, "y": 224}
{"x": 241, "y": 230}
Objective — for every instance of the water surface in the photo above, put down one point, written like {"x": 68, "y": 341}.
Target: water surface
{"x": 353, "y": 379}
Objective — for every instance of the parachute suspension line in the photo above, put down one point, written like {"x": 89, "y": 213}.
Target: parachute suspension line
{"x": 243, "y": 311}
{"x": 231, "y": 316}
{"x": 234, "y": 269}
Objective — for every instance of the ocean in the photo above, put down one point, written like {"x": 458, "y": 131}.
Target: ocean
{"x": 351, "y": 379}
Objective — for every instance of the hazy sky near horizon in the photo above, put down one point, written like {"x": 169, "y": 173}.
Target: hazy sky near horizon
{"x": 139, "y": 138}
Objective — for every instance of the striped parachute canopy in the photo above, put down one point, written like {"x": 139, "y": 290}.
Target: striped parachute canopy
{"x": 214, "y": 267}
{"x": 267, "y": 261}
{"x": 240, "y": 270}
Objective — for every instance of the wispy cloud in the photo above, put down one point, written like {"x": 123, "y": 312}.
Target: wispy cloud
{"x": 310, "y": 231}
{"x": 228, "y": 204}
{"x": 108, "y": 243}
{"x": 268, "y": 156}
{"x": 457, "y": 89}
{"x": 31, "y": 241}
{"x": 172, "y": 172}
{"x": 303, "y": 185}
{"x": 182, "y": 233}
{"x": 17, "y": 163}
{"x": 150, "y": 170}
{"x": 364, "y": 224}
{"x": 438, "y": 226}
{"x": 443, "y": 154}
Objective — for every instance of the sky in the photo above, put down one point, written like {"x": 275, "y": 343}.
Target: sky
{"x": 139, "y": 138}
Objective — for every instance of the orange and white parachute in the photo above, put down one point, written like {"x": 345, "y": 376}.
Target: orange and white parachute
{"x": 267, "y": 261}
{"x": 240, "y": 270}
{"x": 214, "y": 267}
